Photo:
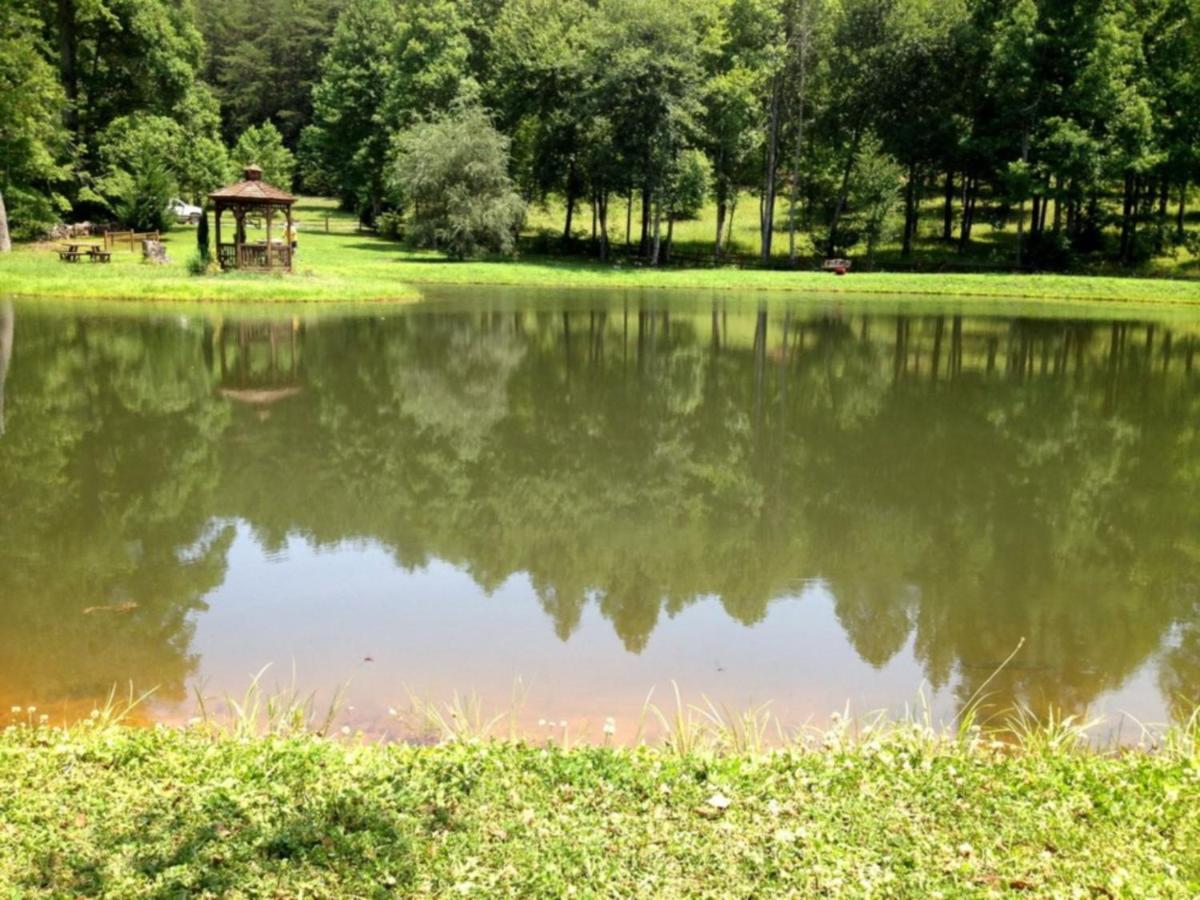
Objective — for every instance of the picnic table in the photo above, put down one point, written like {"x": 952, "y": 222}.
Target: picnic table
{"x": 72, "y": 251}
{"x": 836, "y": 266}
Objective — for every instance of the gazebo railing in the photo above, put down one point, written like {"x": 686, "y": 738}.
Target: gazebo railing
{"x": 254, "y": 256}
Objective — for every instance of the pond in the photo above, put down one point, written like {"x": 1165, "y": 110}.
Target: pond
{"x": 813, "y": 503}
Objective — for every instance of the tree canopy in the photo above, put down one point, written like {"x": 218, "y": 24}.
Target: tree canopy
{"x": 1072, "y": 127}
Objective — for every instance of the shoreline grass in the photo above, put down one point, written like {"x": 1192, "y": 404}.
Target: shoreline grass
{"x": 343, "y": 265}
{"x": 104, "y": 809}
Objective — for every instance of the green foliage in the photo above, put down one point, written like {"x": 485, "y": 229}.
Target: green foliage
{"x": 32, "y": 139}
{"x": 143, "y": 191}
{"x": 452, "y": 177}
{"x": 874, "y": 193}
{"x": 389, "y": 224}
{"x": 263, "y": 60}
{"x": 688, "y": 184}
{"x": 389, "y": 64}
{"x": 203, "y": 246}
{"x": 195, "y": 164}
{"x": 262, "y": 146}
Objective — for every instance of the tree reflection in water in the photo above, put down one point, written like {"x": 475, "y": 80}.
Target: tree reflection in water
{"x": 956, "y": 483}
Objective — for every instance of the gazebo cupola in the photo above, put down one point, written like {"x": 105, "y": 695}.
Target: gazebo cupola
{"x": 254, "y": 197}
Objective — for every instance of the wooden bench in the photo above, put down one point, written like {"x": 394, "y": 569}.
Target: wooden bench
{"x": 100, "y": 256}
{"x": 69, "y": 255}
{"x": 836, "y": 266}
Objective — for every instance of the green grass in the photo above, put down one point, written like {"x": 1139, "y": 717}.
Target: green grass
{"x": 106, "y": 810}
{"x": 346, "y": 266}
{"x": 992, "y": 244}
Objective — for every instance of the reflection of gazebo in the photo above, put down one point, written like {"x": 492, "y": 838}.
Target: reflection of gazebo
{"x": 259, "y": 360}
{"x": 253, "y": 196}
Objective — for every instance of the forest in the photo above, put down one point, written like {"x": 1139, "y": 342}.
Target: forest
{"x": 841, "y": 123}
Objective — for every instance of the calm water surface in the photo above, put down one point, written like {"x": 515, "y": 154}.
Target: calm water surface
{"x": 811, "y": 505}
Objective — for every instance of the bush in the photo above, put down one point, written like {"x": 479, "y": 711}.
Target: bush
{"x": 389, "y": 225}
{"x": 453, "y": 176}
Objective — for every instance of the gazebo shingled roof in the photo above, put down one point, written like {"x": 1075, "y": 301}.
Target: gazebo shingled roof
{"x": 253, "y": 195}
{"x": 252, "y": 188}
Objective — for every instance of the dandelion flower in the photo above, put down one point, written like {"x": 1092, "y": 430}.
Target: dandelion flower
{"x": 610, "y": 727}
{"x": 16, "y": 710}
{"x": 345, "y": 729}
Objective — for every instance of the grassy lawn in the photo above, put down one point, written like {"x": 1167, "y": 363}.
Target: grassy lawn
{"x": 993, "y": 240}
{"x": 345, "y": 265}
{"x": 124, "y": 812}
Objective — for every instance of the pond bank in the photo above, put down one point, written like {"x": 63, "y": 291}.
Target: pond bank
{"x": 361, "y": 267}
{"x": 116, "y": 811}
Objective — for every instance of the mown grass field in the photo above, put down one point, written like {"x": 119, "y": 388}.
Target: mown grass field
{"x": 344, "y": 265}
{"x": 112, "y": 811}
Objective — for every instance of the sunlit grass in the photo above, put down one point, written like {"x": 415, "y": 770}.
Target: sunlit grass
{"x": 345, "y": 265}
{"x": 265, "y": 800}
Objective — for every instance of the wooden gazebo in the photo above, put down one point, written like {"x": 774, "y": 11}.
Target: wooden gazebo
{"x": 253, "y": 196}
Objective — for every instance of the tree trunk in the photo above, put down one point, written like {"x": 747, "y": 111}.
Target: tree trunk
{"x": 657, "y": 232}
{"x": 1021, "y": 209}
{"x": 1058, "y": 204}
{"x": 910, "y": 212}
{"x": 847, "y": 170}
{"x": 721, "y": 204}
{"x": 7, "y": 320}
{"x": 948, "y": 209}
{"x": 566, "y": 235}
{"x": 970, "y": 192}
{"x": 799, "y": 148}
{"x": 68, "y": 46}
{"x": 5, "y": 237}
{"x": 629, "y": 220}
{"x": 1164, "y": 187}
{"x": 644, "y": 244}
{"x": 729, "y": 224}
{"x": 602, "y": 204}
{"x": 1127, "y": 218}
{"x": 666, "y": 256}
{"x": 767, "y": 207}
{"x": 1181, "y": 215}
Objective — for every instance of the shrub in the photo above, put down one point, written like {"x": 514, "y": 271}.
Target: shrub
{"x": 453, "y": 175}
{"x": 202, "y": 245}
{"x": 389, "y": 225}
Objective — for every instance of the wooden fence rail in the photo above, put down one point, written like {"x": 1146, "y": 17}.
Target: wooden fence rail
{"x": 112, "y": 238}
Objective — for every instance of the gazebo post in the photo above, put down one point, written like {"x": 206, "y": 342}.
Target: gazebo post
{"x": 270, "y": 255}
{"x": 287, "y": 237}
{"x": 239, "y": 234}
{"x": 217, "y": 217}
